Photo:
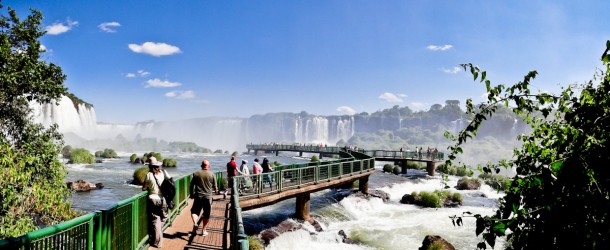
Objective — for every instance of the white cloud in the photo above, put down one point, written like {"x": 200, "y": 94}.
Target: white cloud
{"x": 109, "y": 26}
{"x": 441, "y": 47}
{"x": 417, "y": 106}
{"x": 454, "y": 70}
{"x": 140, "y": 73}
{"x": 59, "y": 28}
{"x": 188, "y": 94}
{"x": 42, "y": 48}
{"x": 346, "y": 110}
{"x": 389, "y": 97}
{"x": 157, "y": 83}
{"x": 143, "y": 73}
{"x": 154, "y": 49}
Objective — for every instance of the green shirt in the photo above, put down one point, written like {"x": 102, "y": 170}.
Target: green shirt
{"x": 203, "y": 184}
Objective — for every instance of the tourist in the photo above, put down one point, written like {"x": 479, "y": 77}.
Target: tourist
{"x": 203, "y": 186}
{"x": 267, "y": 169}
{"x": 156, "y": 206}
{"x": 231, "y": 172}
{"x": 246, "y": 183}
{"x": 256, "y": 169}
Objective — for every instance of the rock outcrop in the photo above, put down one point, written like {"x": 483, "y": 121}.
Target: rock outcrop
{"x": 83, "y": 186}
{"x": 435, "y": 239}
{"x": 373, "y": 193}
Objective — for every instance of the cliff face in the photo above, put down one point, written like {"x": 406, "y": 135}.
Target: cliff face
{"x": 233, "y": 133}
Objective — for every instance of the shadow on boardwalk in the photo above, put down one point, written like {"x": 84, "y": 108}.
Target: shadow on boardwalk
{"x": 180, "y": 234}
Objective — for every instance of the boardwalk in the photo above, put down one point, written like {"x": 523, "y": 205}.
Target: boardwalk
{"x": 179, "y": 234}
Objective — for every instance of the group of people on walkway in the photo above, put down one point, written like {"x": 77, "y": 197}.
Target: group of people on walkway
{"x": 247, "y": 183}
{"x": 202, "y": 189}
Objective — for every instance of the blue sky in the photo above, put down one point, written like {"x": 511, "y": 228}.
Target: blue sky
{"x": 170, "y": 60}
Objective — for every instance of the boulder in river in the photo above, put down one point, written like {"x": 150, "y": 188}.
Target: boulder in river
{"x": 83, "y": 186}
{"x": 286, "y": 226}
{"x": 436, "y": 240}
{"x": 373, "y": 193}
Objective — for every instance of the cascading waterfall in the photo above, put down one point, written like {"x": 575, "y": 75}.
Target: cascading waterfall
{"x": 80, "y": 121}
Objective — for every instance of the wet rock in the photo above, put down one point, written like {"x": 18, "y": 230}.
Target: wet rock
{"x": 346, "y": 240}
{"x": 409, "y": 199}
{"x": 83, "y": 186}
{"x": 99, "y": 161}
{"x": 373, "y": 193}
{"x": 286, "y": 226}
{"x": 317, "y": 226}
{"x": 431, "y": 239}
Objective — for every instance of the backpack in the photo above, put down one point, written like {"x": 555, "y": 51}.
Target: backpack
{"x": 168, "y": 189}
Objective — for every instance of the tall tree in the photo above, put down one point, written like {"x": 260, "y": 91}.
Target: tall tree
{"x": 32, "y": 188}
{"x": 560, "y": 197}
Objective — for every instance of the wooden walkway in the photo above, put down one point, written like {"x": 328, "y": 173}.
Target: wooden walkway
{"x": 180, "y": 234}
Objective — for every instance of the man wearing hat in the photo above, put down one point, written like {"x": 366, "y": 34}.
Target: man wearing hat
{"x": 156, "y": 206}
{"x": 203, "y": 186}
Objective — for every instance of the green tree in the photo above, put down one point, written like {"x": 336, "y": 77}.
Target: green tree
{"x": 32, "y": 189}
{"x": 560, "y": 197}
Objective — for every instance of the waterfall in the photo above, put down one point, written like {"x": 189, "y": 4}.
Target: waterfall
{"x": 69, "y": 117}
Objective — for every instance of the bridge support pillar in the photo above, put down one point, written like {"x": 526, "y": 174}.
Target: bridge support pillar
{"x": 277, "y": 153}
{"x": 430, "y": 166}
{"x": 363, "y": 184}
{"x": 403, "y": 167}
{"x": 321, "y": 155}
{"x": 301, "y": 154}
{"x": 302, "y": 208}
{"x": 256, "y": 152}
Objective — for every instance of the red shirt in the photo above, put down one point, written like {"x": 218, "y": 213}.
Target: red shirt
{"x": 232, "y": 168}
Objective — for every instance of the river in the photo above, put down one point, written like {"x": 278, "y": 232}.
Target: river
{"x": 373, "y": 223}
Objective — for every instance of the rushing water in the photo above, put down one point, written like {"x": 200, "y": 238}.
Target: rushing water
{"x": 373, "y": 223}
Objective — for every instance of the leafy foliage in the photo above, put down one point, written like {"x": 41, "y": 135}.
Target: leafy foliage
{"x": 133, "y": 157}
{"x": 169, "y": 162}
{"x": 139, "y": 175}
{"x": 81, "y": 156}
{"x": 560, "y": 197}
{"x": 387, "y": 168}
{"x": 314, "y": 158}
{"x": 106, "y": 153}
{"x": 32, "y": 189}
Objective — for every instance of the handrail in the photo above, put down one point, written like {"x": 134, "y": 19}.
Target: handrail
{"x": 124, "y": 225}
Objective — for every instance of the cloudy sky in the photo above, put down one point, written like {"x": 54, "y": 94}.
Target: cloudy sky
{"x": 170, "y": 60}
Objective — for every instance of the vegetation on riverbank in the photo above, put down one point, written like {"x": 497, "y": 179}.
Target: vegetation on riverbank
{"x": 560, "y": 197}
{"x": 33, "y": 193}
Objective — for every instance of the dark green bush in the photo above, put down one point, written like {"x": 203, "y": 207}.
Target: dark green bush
{"x": 430, "y": 199}
{"x": 133, "y": 157}
{"x": 396, "y": 170}
{"x": 81, "y": 156}
{"x": 107, "y": 153}
{"x": 66, "y": 151}
{"x": 457, "y": 197}
{"x": 415, "y": 165}
{"x": 158, "y": 156}
{"x": 139, "y": 176}
{"x": 463, "y": 171}
{"x": 169, "y": 162}
{"x": 498, "y": 182}
{"x": 450, "y": 170}
{"x": 466, "y": 183}
{"x": 387, "y": 168}
{"x": 315, "y": 158}
{"x": 218, "y": 151}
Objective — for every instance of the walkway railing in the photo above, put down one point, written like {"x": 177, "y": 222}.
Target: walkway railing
{"x": 124, "y": 225}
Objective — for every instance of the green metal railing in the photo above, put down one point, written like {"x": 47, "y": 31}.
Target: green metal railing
{"x": 396, "y": 154}
{"x": 298, "y": 175}
{"x": 123, "y": 225}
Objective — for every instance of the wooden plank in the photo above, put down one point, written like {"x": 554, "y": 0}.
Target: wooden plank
{"x": 180, "y": 234}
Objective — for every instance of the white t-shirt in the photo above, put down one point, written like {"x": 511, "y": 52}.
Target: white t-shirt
{"x": 153, "y": 189}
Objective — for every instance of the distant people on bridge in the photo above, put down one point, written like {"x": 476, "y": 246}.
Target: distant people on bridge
{"x": 203, "y": 187}
{"x": 256, "y": 169}
{"x": 156, "y": 205}
{"x": 267, "y": 169}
